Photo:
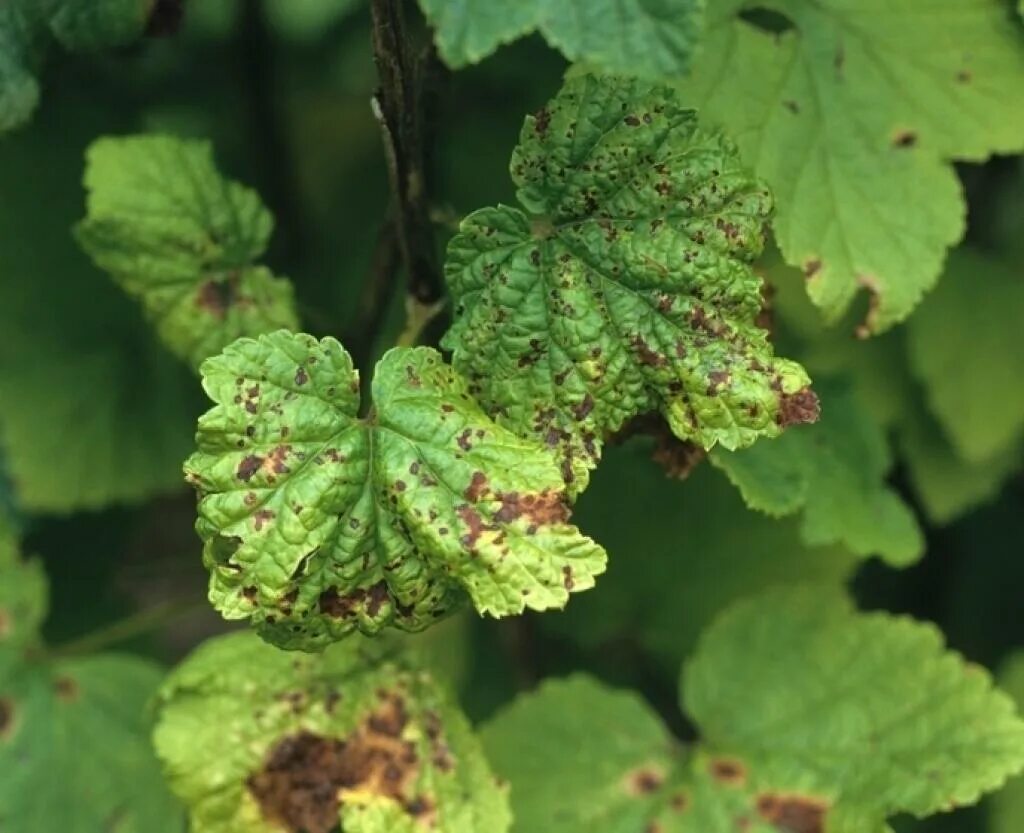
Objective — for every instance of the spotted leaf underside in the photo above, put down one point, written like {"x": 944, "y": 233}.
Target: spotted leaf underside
{"x": 623, "y": 283}
{"x": 317, "y": 523}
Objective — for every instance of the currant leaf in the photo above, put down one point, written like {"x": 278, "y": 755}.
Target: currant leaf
{"x": 355, "y": 733}
{"x": 625, "y": 286}
{"x": 28, "y": 26}
{"x": 183, "y": 240}
{"x": 850, "y": 113}
{"x": 626, "y": 36}
{"x": 812, "y": 717}
{"x": 318, "y": 523}
{"x": 52, "y": 710}
{"x": 834, "y": 473}
{"x": 971, "y": 372}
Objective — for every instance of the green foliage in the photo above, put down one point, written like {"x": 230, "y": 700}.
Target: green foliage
{"x": 318, "y": 523}
{"x": 811, "y": 717}
{"x": 834, "y": 472}
{"x": 850, "y": 113}
{"x": 972, "y": 371}
{"x": 92, "y": 411}
{"x": 627, "y": 36}
{"x": 626, "y": 288}
{"x": 180, "y": 238}
{"x": 74, "y": 749}
{"x": 359, "y": 723}
{"x": 705, "y": 192}
{"x": 28, "y": 26}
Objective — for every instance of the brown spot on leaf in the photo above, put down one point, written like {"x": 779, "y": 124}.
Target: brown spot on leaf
{"x": 567, "y": 580}
{"x": 546, "y": 507}
{"x": 964, "y": 76}
{"x": 306, "y": 777}
{"x": 643, "y": 781}
{"x": 477, "y": 486}
{"x": 6, "y": 718}
{"x": 66, "y": 689}
{"x": 217, "y": 297}
{"x": 904, "y": 139}
{"x": 811, "y": 267}
{"x": 262, "y": 517}
{"x": 248, "y": 467}
{"x": 541, "y": 121}
{"x": 679, "y": 802}
{"x": 472, "y": 519}
{"x": 793, "y": 813}
{"x": 646, "y": 354}
{"x": 301, "y": 377}
{"x": 798, "y": 408}
{"x": 728, "y": 771}
{"x": 581, "y": 410}
{"x": 342, "y": 606}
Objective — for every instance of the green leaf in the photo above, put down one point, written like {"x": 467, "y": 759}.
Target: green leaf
{"x": 27, "y": 26}
{"x": 581, "y": 757}
{"x": 318, "y": 523}
{"x": 1007, "y": 805}
{"x": 834, "y": 472}
{"x": 23, "y": 594}
{"x": 868, "y": 710}
{"x": 92, "y": 410}
{"x": 679, "y": 552}
{"x": 965, "y": 346}
{"x": 811, "y": 717}
{"x": 182, "y": 239}
{"x": 352, "y": 732}
{"x": 627, "y": 286}
{"x": 638, "y": 37}
{"x": 850, "y": 113}
{"x": 74, "y": 745}
{"x": 947, "y": 485}
{"x": 308, "y": 19}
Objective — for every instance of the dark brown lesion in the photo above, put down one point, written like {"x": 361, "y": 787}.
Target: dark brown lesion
{"x": 370, "y": 600}
{"x": 793, "y": 813}
{"x": 728, "y": 771}
{"x": 6, "y": 718}
{"x": 644, "y": 780}
{"x": 305, "y": 778}
{"x": 217, "y": 297}
{"x": 798, "y": 408}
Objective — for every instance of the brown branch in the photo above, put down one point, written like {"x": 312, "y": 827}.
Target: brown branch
{"x": 404, "y": 106}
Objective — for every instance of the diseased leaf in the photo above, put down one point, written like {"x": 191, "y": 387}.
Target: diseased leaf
{"x": 353, "y": 733}
{"x": 626, "y": 288}
{"x": 92, "y": 410}
{"x": 679, "y": 552}
{"x": 318, "y": 523}
{"x": 183, "y": 240}
{"x": 27, "y": 26}
{"x": 834, "y": 472}
{"x": 582, "y": 757}
{"x": 812, "y": 718}
{"x": 74, "y": 746}
{"x": 636, "y": 37}
{"x": 868, "y": 710}
{"x": 964, "y": 345}
{"x": 850, "y": 112}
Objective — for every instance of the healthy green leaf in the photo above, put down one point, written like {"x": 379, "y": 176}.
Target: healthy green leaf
{"x": 318, "y": 523}
{"x": 351, "y": 733}
{"x": 867, "y": 710}
{"x": 27, "y": 26}
{"x": 92, "y": 410}
{"x": 834, "y": 472}
{"x": 679, "y": 552}
{"x": 74, "y": 749}
{"x": 965, "y": 346}
{"x": 182, "y": 239}
{"x": 812, "y": 718}
{"x": 626, "y": 288}
{"x": 850, "y": 112}
{"x": 636, "y": 37}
